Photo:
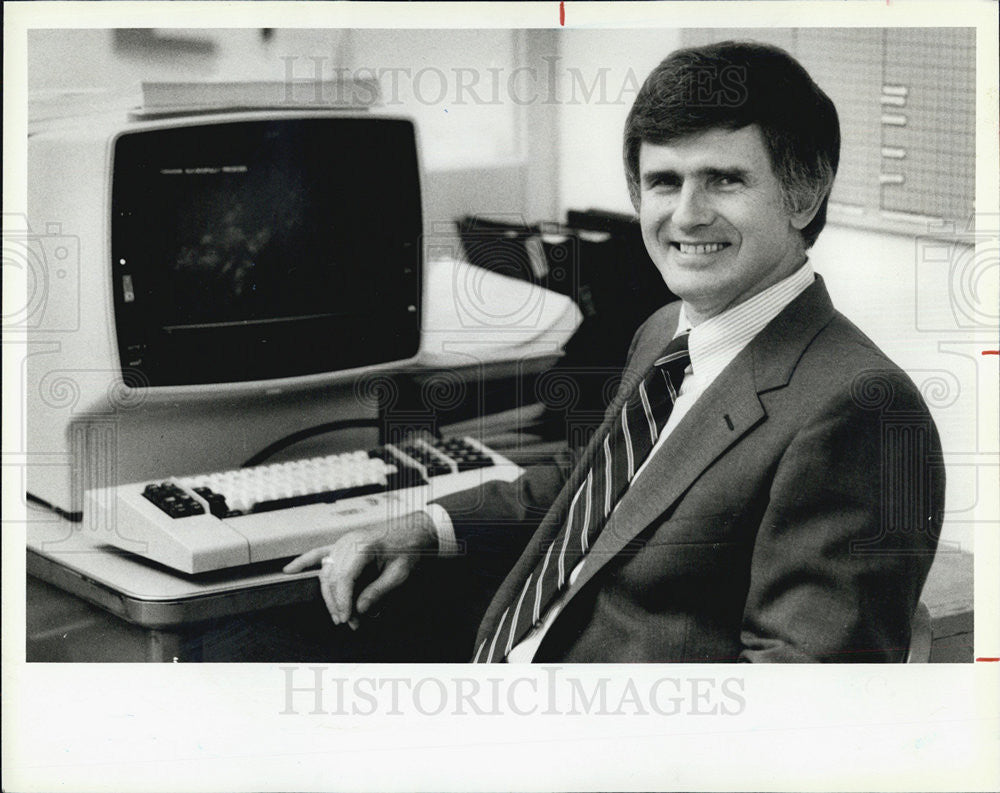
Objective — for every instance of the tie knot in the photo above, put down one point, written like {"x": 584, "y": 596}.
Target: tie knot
{"x": 677, "y": 350}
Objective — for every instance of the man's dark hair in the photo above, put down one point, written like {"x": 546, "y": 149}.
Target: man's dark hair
{"x": 732, "y": 85}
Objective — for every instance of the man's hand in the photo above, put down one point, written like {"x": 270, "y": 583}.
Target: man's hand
{"x": 395, "y": 547}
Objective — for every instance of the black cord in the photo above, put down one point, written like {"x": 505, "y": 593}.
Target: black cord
{"x": 76, "y": 517}
{"x": 301, "y": 435}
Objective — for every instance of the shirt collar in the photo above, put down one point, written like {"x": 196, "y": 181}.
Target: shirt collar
{"x": 719, "y": 339}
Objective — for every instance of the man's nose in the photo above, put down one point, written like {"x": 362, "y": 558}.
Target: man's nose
{"x": 693, "y": 207}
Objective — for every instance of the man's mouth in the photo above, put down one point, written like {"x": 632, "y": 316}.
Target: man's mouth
{"x": 700, "y": 248}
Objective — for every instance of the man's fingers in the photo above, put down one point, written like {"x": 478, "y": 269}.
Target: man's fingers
{"x": 394, "y": 574}
{"x": 308, "y": 559}
{"x": 325, "y": 589}
{"x": 349, "y": 557}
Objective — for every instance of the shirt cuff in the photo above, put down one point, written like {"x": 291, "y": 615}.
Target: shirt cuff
{"x": 443, "y": 527}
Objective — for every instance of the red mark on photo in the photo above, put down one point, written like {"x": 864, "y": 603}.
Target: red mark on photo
{"x": 562, "y": 12}
{"x": 991, "y": 352}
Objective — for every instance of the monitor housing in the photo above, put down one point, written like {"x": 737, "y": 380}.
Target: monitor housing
{"x": 209, "y": 284}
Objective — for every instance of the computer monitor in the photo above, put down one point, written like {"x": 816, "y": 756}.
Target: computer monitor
{"x": 235, "y": 274}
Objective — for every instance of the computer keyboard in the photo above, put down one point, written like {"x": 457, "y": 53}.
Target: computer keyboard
{"x": 224, "y": 519}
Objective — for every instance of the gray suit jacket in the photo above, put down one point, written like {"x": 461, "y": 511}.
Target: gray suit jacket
{"x": 792, "y": 515}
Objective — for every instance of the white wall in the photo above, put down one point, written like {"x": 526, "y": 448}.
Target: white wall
{"x": 591, "y": 119}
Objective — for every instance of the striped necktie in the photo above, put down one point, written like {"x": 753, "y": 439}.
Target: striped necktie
{"x": 615, "y": 460}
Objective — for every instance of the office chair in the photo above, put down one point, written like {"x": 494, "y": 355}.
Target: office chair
{"x": 920, "y": 636}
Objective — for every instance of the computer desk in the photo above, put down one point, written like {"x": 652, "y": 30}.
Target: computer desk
{"x": 89, "y": 601}
{"x": 92, "y": 602}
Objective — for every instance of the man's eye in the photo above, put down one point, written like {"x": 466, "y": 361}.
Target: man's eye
{"x": 728, "y": 180}
{"x": 662, "y": 182}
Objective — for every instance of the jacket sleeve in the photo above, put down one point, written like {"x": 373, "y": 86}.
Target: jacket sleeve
{"x": 849, "y": 534}
{"x": 496, "y": 521}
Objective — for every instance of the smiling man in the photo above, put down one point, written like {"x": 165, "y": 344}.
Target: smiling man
{"x": 767, "y": 484}
{"x": 715, "y": 220}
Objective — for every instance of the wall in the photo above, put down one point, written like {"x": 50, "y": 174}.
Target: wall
{"x": 600, "y": 76}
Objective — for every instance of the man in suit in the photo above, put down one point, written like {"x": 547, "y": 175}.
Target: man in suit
{"x": 767, "y": 484}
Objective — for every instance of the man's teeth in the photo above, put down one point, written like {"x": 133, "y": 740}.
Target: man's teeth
{"x": 711, "y": 247}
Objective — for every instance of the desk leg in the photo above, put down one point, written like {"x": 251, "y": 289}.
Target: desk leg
{"x": 168, "y": 647}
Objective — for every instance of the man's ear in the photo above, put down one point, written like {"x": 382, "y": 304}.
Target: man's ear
{"x": 808, "y": 205}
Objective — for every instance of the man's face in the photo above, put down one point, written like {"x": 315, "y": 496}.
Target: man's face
{"x": 714, "y": 219}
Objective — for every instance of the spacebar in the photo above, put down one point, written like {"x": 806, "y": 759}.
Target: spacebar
{"x": 278, "y": 534}
{"x": 326, "y": 497}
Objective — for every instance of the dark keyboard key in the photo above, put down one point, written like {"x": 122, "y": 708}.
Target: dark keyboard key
{"x": 327, "y": 497}
{"x": 172, "y": 500}
{"x": 473, "y": 463}
{"x": 216, "y": 502}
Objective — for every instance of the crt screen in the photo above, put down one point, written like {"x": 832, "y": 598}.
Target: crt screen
{"x": 270, "y": 225}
